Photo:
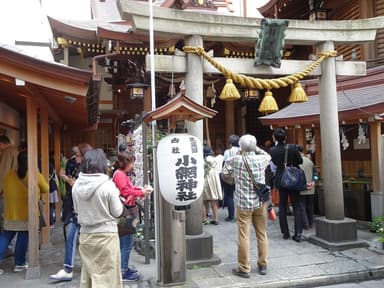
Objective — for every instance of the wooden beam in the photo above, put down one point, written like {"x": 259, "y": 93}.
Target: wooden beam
{"x": 33, "y": 270}
{"x": 49, "y": 81}
{"x": 42, "y": 102}
{"x": 178, "y": 64}
{"x": 376, "y": 154}
{"x": 318, "y": 149}
{"x": 229, "y": 119}
{"x": 300, "y": 138}
{"x": 57, "y": 152}
{"x": 44, "y": 157}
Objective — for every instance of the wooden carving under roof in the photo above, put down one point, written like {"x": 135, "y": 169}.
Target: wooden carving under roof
{"x": 180, "y": 108}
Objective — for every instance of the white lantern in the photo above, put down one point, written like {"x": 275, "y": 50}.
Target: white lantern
{"x": 180, "y": 168}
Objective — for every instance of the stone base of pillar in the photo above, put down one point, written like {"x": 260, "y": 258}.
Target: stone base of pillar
{"x": 377, "y": 204}
{"x": 33, "y": 273}
{"x": 336, "y": 234}
{"x": 199, "y": 250}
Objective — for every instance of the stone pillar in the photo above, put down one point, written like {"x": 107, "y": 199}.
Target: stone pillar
{"x": 329, "y": 129}
{"x": 377, "y": 195}
{"x": 199, "y": 246}
{"x": 194, "y": 90}
{"x": 333, "y": 231}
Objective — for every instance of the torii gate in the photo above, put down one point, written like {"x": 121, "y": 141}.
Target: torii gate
{"x": 333, "y": 231}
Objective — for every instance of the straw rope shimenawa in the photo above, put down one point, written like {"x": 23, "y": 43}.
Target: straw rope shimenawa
{"x": 268, "y": 104}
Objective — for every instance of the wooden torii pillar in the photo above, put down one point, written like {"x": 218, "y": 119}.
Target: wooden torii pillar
{"x": 325, "y": 34}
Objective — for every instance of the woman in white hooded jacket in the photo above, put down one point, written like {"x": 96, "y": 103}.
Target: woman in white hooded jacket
{"x": 97, "y": 204}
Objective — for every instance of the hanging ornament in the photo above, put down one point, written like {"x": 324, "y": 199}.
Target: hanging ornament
{"x": 211, "y": 94}
{"x": 344, "y": 141}
{"x": 313, "y": 144}
{"x": 362, "y": 134}
{"x": 171, "y": 91}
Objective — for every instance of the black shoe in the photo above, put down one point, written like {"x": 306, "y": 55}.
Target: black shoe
{"x": 297, "y": 237}
{"x": 230, "y": 219}
{"x": 263, "y": 270}
{"x": 240, "y": 273}
{"x": 286, "y": 236}
{"x": 214, "y": 222}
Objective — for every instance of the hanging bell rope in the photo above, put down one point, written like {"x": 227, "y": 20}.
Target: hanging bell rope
{"x": 258, "y": 83}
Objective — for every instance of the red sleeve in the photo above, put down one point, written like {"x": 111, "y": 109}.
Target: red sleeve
{"x": 125, "y": 186}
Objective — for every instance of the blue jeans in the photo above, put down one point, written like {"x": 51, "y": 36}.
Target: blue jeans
{"x": 70, "y": 244}
{"x": 20, "y": 247}
{"x": 126, "y": 244}
{"x": 228, "y": 199}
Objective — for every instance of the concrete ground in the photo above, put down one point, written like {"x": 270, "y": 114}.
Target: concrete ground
{"x": 291, "y": 264}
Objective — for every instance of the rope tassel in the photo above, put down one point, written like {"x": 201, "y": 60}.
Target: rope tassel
{"x": 268, "y": 104}
{"x": 298, "y": 94}
{"x": 229, "y": 91}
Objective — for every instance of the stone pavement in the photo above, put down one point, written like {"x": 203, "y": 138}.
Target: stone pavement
{"x": 291, "y": 264}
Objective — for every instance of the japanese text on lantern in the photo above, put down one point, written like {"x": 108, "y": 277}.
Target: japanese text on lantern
{"x": 185, "y": 171}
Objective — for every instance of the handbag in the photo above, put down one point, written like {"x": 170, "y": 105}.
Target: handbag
{"x": 262, "y": 190}
{"x": 292, "y": 178}
{"x": 227, "y": 174}
{"x": 43, "y": 222}
{"x": 128, "y": 221}
{"x": 271, "y": 212}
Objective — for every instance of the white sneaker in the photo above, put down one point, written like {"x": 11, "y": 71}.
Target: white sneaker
{"x": 1, "y": 271}
{"x": 61, "y": 276}
{"x": 19, "y": 268}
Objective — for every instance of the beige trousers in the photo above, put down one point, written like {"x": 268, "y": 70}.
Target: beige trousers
{"x": 100, "y": 257}
{"x": 259, "y": 221}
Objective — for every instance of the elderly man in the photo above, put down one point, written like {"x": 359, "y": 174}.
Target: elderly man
{"x": 249, "y": 209}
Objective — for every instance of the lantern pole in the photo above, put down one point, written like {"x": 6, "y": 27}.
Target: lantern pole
{"x": 157, "y": 196}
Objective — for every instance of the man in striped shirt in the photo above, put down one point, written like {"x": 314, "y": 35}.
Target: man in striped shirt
{"x": 249, "y": 209}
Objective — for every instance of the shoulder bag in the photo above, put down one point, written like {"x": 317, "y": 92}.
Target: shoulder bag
{"x": 292, "y": 178}
{"x": 227, "y": 174}
{"x": 262, "y": 190}
{"x": 128, "y": 221}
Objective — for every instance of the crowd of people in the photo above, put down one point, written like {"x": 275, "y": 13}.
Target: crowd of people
{"x": 266, "y": 165}
{"x": 93, "y": 201}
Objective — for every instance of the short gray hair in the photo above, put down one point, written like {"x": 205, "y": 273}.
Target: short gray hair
{"x": 248, "y": 143}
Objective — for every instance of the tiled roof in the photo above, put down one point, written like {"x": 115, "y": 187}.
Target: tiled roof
{"x": 352, "y": 104}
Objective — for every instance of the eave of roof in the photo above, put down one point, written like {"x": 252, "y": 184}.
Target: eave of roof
{"x": 50, "y": 80}
{"x": 90, "y": 29}
{"x": 353, "y": 104}
{"x": 183, "y": 108}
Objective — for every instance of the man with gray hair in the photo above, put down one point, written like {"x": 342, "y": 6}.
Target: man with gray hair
{"x": 249, "y": 209}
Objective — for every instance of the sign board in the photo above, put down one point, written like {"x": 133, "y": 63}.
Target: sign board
{"x": 270, "y": 45}
{"x": 180, "y": 168}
